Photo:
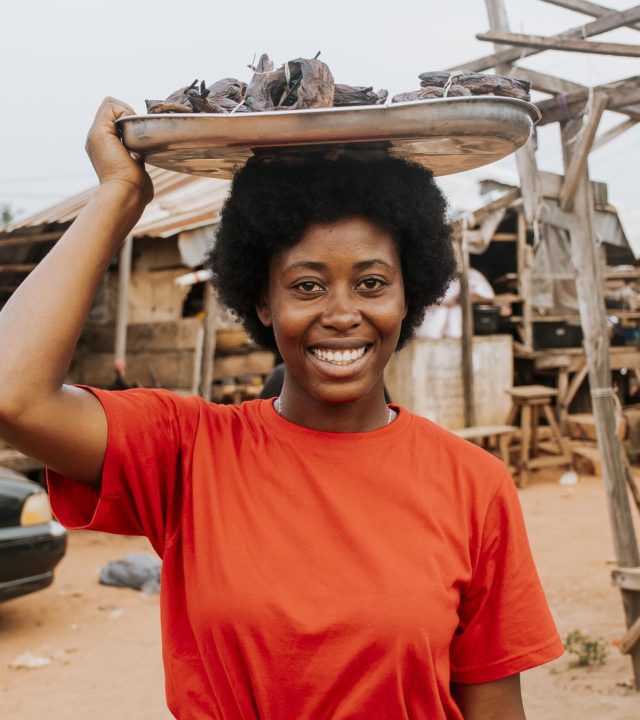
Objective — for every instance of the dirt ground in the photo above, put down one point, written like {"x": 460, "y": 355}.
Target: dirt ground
{"x": 104, "y": 643}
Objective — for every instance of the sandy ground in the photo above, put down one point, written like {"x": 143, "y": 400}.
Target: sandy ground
{"x": 105, "y": 649}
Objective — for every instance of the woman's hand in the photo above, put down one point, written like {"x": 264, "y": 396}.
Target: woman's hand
{"x": 111, "y": 160}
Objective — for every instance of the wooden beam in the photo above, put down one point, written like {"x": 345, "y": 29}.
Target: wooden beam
{"x": 611, "y": 21}
{"x": 122, "y": 311}
{"x": 589, "y": 286}
{"x": 525, "y": 265}
{"x": 612, "y": 133}
{"x": 17, "y": 268}
{"x": 565, "y": 44}
{"x": 622, "y": 93}
{"x": 467, "y": 332}
{"x": 587, "y": 8}
{"x": 526, "y": 156}
{"x": 546, "y": 83}
{"x": 17, "y": 240}
{"x": 627, "y": 578}
{"x": 580, "y": 154}
{"x": 630, "y": 638}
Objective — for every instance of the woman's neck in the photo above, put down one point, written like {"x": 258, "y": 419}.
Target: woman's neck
{"x": 363, "y": 414}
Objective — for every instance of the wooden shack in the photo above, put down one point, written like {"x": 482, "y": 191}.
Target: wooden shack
{"x": 145, "y": 328}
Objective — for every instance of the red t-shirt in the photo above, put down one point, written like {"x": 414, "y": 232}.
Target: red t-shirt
{"x": 311, "y": 574}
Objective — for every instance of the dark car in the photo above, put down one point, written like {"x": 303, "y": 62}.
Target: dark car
{"x": 31, "y": 542}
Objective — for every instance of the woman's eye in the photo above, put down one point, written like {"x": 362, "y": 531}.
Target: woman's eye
{"x": 371, "y": 283}
{"x": 308, "y": 286}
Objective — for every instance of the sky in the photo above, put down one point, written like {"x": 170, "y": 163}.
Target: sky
{"x": 59, "y": 59}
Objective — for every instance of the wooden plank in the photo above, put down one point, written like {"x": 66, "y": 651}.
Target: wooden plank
{"x": 626, "y": 577}
{"x": 611, "y": 134}
{"x": 145, "y": 337}
{"x": 164, "y": 369}
{"x": 630, "y": 638}
{"x": 621, "y": 93}
{"x": 484, "y": 431}
{"x": 580, "y": 154}
{"x": 610, "y": 21}
{"x": 588, "y": 8}
{"x": 17, "y": 268}
{"x": 466, "y": 340}
{"x": 20, "y": 240}
{"x": 260, "y": 362}
{"x": 563, "y": 44}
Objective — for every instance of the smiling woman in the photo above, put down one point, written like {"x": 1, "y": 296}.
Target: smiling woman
{"x": 324, "y": 555}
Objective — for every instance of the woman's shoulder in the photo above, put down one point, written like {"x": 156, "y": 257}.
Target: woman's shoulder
{"x": 472, "y": 466}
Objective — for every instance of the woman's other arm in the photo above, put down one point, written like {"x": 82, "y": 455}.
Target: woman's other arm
{"x": 62, "y": 426}
{"x": 497, "y": 700}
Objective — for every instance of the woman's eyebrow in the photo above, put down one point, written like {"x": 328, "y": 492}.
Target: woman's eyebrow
{"x": 363, "y": 264}
{"x": 306, "y": 265}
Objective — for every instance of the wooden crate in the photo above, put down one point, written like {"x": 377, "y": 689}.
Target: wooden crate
{"x": 426, "y": 378}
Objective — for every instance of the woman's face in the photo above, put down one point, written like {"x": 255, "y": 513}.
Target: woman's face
{"x": 336, "y": 303}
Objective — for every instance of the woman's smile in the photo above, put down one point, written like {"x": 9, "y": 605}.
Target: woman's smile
{"x": 336, "y": 303}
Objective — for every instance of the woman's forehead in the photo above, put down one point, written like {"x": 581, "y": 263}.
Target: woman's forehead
{"x": 353, "y": 240}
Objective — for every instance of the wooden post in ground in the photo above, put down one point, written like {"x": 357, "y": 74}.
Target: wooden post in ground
{"x": 525, "y": 156}
{"x": 467, "y": 330}
{"x": 209, "y": 341}
{"x": 525, "y": 265}
{"x": 596, "y": 343}
{"x": 124, "y": 277}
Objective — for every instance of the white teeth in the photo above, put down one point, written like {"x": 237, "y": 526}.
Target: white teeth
{"x": 339, "y": 357}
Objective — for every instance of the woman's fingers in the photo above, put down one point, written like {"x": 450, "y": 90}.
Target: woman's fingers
{"x": 109, "y": 157}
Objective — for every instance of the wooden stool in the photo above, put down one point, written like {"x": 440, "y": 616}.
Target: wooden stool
{"x": 528, "y": 401}
{"x": 502, "y": 434}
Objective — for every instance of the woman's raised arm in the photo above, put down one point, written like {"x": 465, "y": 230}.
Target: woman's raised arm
{"x": 63, "y": 426}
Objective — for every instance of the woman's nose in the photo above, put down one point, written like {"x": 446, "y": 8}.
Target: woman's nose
{"x": 341, "y": 312}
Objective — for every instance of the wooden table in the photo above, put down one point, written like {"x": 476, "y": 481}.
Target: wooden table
{"x": 571, "y": 367}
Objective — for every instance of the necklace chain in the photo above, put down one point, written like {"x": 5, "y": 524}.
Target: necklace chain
{"x": 279, "y": 410}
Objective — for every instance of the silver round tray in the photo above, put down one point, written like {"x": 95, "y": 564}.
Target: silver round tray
{"x": 448, "y": 135}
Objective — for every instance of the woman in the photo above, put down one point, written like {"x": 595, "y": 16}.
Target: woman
{"x": 324, "y": 555}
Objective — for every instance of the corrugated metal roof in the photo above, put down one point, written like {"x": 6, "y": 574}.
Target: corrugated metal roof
{"x": 181, "y": 202}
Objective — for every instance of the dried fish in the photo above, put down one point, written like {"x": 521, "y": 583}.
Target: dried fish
{"x": 477, "y": 83}
{"x": 162, "y": 106}
{"x": 354, "y": 95}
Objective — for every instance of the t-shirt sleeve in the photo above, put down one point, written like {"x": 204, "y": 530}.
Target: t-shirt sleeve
{"x": 149, "y": 431}
{"x": 505, "y": 625}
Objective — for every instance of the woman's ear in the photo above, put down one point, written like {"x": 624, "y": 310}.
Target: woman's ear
{"x": 264, "y": 311}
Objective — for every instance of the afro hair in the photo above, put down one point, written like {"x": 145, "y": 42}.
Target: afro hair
{"x": 271, "y": 205}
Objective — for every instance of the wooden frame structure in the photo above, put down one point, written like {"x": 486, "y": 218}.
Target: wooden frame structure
{"x": 578, "y": 111}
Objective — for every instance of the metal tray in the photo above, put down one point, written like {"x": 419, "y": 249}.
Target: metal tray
{"x": 448, "y": 135}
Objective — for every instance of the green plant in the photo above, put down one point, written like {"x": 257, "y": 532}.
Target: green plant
{"x": 588, "y": 651}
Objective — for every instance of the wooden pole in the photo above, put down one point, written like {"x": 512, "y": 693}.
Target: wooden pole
{"x": 525, "y": 264}
{"x": 613, "y": 133}
{"x": 209, "y": 342}
{"x": 580, "y": 153}
{"x": 526, "y": 156}
{"x": 596, "y": 343}
{"x": 563, "y": 44}
{"x": 124, "y": 277}
{"x": 467, "y": 330}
